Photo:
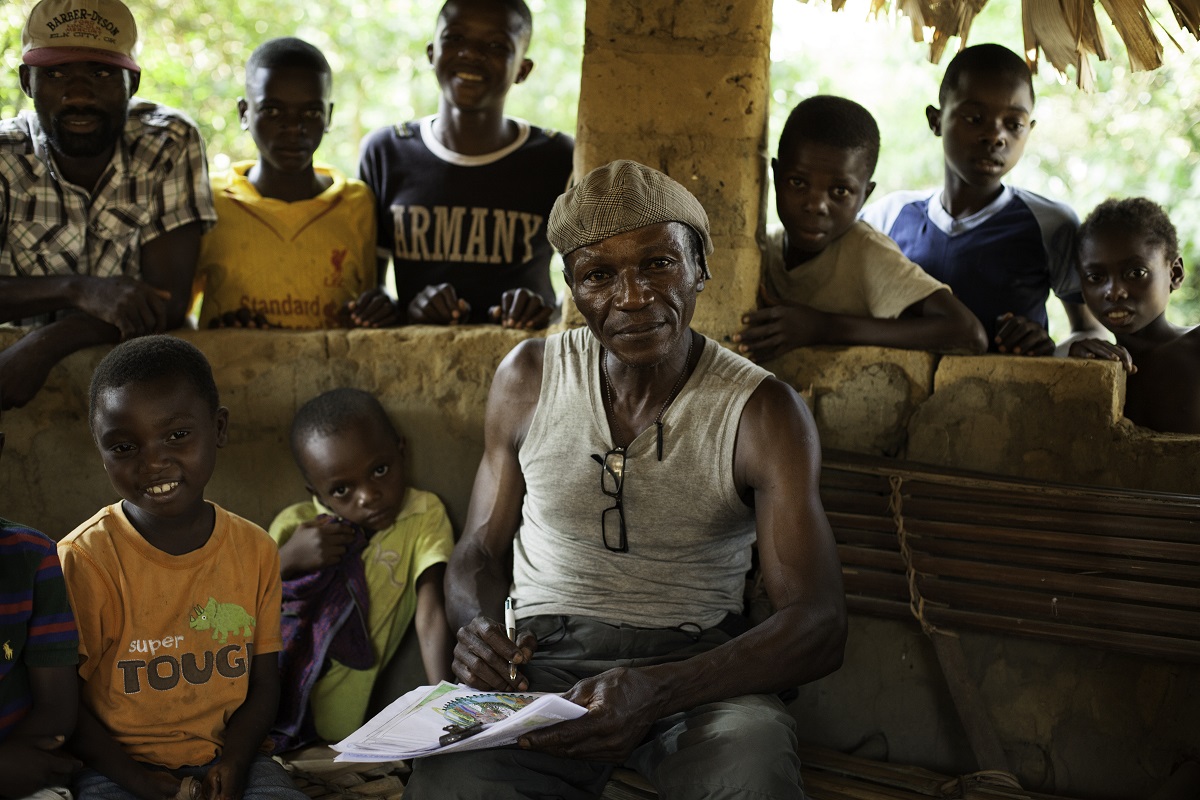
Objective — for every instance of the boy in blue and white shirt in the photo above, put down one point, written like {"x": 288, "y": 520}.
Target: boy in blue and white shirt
{"x": 1000, "y": 249}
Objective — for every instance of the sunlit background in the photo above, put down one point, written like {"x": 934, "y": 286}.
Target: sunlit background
{"x": 1136, "y": 135}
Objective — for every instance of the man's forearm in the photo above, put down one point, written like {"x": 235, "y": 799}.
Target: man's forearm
{"x": 21, "y": 298}
{"x": 791, "y": 648}
{"x": 25, "y": 364}
{"x": 168, "y": 263}
{"x": 476, "y": 583}
{"x": 59, "y": 339}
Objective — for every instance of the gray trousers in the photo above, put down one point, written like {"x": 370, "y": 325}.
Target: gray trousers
{"x": 741, "y": 747}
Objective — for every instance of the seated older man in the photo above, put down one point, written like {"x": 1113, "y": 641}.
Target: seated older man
{"x": 103, "y": 196}
{"x": 629, "y": 467}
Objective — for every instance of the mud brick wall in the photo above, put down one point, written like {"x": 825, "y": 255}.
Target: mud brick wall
{"x": 682, "y": 86}
{"x": 1031, "y": 418}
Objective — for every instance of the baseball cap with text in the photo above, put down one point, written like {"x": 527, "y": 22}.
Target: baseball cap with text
{"x": 67, "y": 31}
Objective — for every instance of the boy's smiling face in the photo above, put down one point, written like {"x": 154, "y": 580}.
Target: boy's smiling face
{"x": 158, "y": 440}
{"x": 819, "y": 190}
{"x": 478, "y": 53}
{"x": 984, "y": 124}
{"x": 357, "y": 472}
{"x": 1126, "y": 279}
{"x": 286, "y": 110}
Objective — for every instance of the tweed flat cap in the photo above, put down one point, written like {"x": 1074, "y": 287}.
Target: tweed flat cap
{"x": 618, "y": 197}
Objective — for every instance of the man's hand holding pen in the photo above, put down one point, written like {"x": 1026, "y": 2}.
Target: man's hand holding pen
{"x": 483, "y": 653}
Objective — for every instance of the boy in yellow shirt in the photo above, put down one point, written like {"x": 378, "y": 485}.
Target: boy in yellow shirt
{"x": 366, "y": 541}
{"x": 294, "y": 243}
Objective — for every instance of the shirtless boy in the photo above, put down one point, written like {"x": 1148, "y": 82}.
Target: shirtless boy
{"x": 1129, "y": 264}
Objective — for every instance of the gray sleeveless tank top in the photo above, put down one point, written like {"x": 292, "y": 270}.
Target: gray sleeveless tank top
{"x": 689, "y": 532}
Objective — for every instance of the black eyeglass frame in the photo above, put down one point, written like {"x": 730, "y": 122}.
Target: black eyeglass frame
{"x": 618, "y": 475}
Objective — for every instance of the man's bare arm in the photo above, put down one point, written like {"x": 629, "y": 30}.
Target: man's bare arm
{"x": 25, "y": 364}
{"x": 29, "y": 297}
{"x": 778, "y": 458}
{"x": 114, "y": 309}
{"x": 938, "y": 323}
{"x": 132, "y": 306}
{"x": 480, "y": 570}
{"x": 169, "y": 264}
{"x": 155, "y": 303}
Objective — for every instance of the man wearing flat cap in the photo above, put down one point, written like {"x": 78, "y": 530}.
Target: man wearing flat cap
{"x": 103, "y": 196}
{"x": 628, "y": 468}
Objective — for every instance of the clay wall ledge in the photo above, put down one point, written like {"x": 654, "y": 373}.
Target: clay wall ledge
{"x": 1041, "y": 419}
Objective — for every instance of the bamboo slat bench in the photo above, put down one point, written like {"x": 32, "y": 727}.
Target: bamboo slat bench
{"x": 1107, "y": 568}
{"x": 828, "y": 775}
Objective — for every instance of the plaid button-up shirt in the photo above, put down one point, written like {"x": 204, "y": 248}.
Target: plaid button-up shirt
{"x": 157, "y": 181}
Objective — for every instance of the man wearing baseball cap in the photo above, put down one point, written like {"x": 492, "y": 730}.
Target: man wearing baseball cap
{"x": 629, "y": 467}
{"x": 103, "y": 196}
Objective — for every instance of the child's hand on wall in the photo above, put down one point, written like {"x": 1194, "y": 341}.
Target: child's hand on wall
{"x": 242, "y": 318}
{"x": 438, "y": 305}
{"x": 372, "y": 309}
{"x": 1019, "y": 336}
{"x": 522, "y": 309}
{"x": 1105, "y": 351}
{"x": 777, "y": 327}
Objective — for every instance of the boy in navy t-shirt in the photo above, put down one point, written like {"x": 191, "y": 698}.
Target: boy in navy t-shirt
{"x": 462, "y": 197}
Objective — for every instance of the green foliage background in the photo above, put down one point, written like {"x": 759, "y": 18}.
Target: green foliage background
{"x": 193, "y": 53}
{"x": 1138, "y": 134}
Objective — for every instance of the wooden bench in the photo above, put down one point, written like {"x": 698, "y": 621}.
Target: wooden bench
{"x": 1105, "y": 568}
{"x": 828, "y": 775}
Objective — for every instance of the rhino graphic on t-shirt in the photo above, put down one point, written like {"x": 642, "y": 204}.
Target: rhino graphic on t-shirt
{"x": 222, "y": 619}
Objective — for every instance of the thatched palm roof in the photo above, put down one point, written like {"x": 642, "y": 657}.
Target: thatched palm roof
{"x": 1065, "y": 31}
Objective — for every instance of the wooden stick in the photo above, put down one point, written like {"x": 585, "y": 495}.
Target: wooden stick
{"x": 972, "y": 712}
{"x": 1187, "y": 553}
{"x": 1056, "y": 582}
{"x": 1167, "y": 504}
{"x": 1121, "y": 641}
{"x": 1099, "y": 615}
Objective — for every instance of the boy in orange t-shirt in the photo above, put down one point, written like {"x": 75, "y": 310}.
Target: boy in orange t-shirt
{"x": 178, "y": 599}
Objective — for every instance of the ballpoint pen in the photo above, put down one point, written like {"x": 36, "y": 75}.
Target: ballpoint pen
{"x": 510, "y": 622}
{"x": 456, "y": 733}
